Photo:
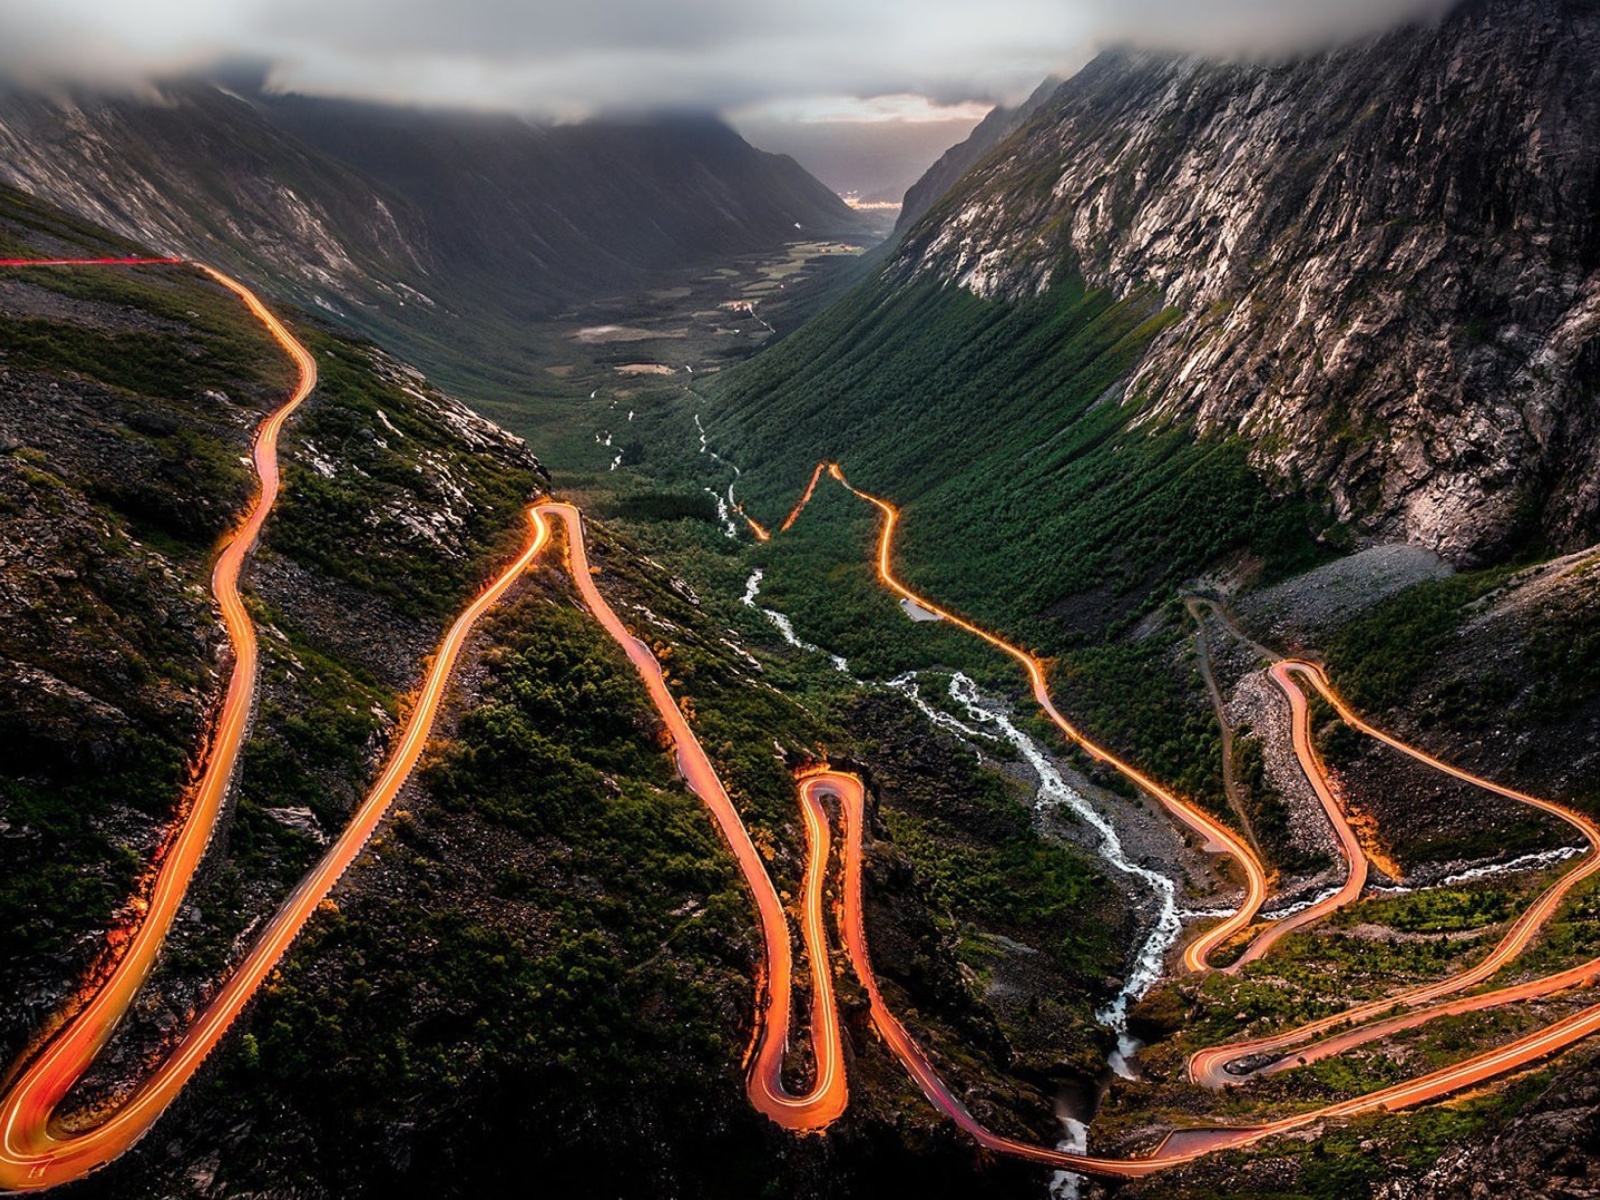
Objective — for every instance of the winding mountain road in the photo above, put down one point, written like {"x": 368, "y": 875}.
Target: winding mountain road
{"x": 1372, "y": 1020}
{"x": 1349, "y": 844}
{"x": 828, "y": 1096}
{"x": 1216, "y": 836}
{"x": 36, "y": 1151}
{"x": 1377, "y": 1018}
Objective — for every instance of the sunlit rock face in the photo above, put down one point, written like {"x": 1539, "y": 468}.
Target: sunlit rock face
{"x": 1387, "y": 259}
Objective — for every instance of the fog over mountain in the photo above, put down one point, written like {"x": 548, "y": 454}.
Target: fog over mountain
{"x": 541, "y": 642}
{"x": 558, "y": 60}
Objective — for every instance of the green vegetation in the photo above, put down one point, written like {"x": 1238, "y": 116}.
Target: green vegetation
{"x": 982, "y": 862}
{"x": 1439, "y": 910}
{"x": 554, "y": 930}
{"x": 154, "y": 379}
{"x": 1563, "y": 661}
{"x": 127, "y": 475}
{"x": 1150, "y": 708}
{"x": 665, "y": 506}
{"x": 1376, "y": 659}
{"x": 1350, "y": 1161}
{"x": 1315, "y": 974}
{"x": 550, "y": 688}
{"x": 822, "y": 575}
{"x": 550, "y": 932}
{"x": 405, "y": 462}
{"x": 1032, "y": 501}
{"x": 1337, "y": 744}
{"x": 317, "y": 723}
{"x": 1572, "y": 936}
{"x": 69, "y": 875}
{"x": 164, "y": 363}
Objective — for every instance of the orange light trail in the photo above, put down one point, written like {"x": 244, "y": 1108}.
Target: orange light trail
{"x": 1184, "y": 1146}
{"x": 828, "y": 1096}
{"x": 90, "y": 262}
{"x": 1218, "y": 837}
{"x": 1376, "y": 1018}
{"x": 35, "y": 1151}
{"x": 1349, "y": 845}
{"x": 805, "y": 498}
{"x": 27, "y": 1151}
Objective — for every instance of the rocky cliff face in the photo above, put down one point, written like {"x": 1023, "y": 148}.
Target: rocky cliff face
{"x": 199, "y": 171}
{"x": 1386, "y": 260}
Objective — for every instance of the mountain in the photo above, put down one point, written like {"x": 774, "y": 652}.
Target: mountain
{"x": 1370, "y": 277}
{"x": 572, "y": 206}
{"x": 443, "y": 235}
{"x": 955, "y": 162}
{"x": 1384, "y": 263}
{"x": 128, "y": 398}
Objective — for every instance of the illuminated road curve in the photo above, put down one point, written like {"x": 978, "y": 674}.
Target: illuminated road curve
{"x": 1187, "y": 1145}
{"x": 1217, "y": 836}
{"x": 1349, "y": 845}
{"x": 828, "y": 1096}
{"x": 1183, "y": 1146}
{"x": 34, "y": 1151}
{"x": 1378, "y": 1018}
{"x": 27, "y": 1151}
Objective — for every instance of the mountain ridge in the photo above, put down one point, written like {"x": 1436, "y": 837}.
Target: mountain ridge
{"x": 954, "y": 163}
{"x": 445, "y": 236}
{"x": 1402, "y": 322}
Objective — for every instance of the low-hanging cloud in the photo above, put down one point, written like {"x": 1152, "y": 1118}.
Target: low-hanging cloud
{"x": 567, "y": 59}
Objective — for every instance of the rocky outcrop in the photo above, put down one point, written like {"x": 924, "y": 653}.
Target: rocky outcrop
{"x": 1550, "y": 1152}
{"x": 199, "y": 172}
{"x": 1386, "y": 259}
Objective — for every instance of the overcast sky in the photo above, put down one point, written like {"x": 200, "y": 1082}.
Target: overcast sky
{"x": 892, "y": 73}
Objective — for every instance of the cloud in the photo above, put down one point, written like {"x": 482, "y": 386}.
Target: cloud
{"x": 1256, "y": 27}
{"x": 904, "y": 108}
{"x": 549, "y": 57}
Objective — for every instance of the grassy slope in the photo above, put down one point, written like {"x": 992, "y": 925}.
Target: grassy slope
{"x": 65, "y": 869}
{"x": 1032, "y": 499}
{"x": 550, "y": 950}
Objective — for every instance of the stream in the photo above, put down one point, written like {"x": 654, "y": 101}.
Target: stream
{"x": 1053, "y": 792}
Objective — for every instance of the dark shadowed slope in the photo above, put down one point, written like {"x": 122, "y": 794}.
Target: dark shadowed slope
{"x": 441, "y": 235}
